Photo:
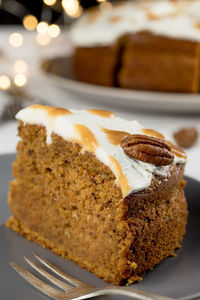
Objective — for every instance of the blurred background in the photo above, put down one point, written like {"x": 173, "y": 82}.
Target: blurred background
{"x": 51, "y": 11}
{"x": 31, "y": 30}
{"x": 35, "y": 31}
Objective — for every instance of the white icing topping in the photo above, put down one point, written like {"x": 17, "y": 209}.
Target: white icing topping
{"x": 176, "y": 19}
{"x": 137, "y": 173}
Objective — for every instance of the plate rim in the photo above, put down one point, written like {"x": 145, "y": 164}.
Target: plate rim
{"x": 188, "y": 102}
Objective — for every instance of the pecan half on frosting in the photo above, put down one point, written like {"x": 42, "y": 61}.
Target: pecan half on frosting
{"x": 148, "y": 149}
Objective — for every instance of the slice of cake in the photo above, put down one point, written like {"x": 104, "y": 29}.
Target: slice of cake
{"x": 142, "y": 45}
{"x": 96, "y": 65}
{"x": 101, "y": 191}
{"x": 159, "y": 63}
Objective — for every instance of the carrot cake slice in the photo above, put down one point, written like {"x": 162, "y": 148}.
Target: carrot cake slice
{"x": 102, "y": 191}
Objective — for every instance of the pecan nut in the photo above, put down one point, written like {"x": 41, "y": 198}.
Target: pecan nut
{"x": 186, "y": 137}
{"x": 148, "y": 149}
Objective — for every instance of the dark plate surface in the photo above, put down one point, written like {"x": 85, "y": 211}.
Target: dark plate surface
{"x": 59, "y": 72}
{"x": 176, "y": 276}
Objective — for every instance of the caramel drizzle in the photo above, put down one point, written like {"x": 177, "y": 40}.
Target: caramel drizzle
{"x": 115, "y": 19}
{"x": 55, "y": 111}
{"x": 114, "y": 136}
{"x": 197, "y": 26}
{"x": 174, "y": 149}
{"x": 154, "y": 17}
{"x": 177, "y": 151}
{"x": 52, "y": 110}
{"x": 102, "y": 113}
{"x": 87, "y": 138}
{"x": 153, "y": 133}
{"x": 121, "y": 178}
{"x": 38, "y": 106}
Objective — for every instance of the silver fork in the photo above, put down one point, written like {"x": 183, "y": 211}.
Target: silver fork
{"x": 76, "y": 289}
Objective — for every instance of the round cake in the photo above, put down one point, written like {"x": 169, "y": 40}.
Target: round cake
{"x": 142, "y": 45}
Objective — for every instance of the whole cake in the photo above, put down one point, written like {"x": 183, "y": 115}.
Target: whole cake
{"x": 102, "y": 191}
{"x": 143, "y": 45}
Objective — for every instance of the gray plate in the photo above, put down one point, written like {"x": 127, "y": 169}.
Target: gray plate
{"x": 59, "y": 72}
{"x": 176, "y": 276}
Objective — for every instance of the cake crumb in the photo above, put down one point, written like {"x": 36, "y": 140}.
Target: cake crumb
{"x": 186, "y": 137}
{"x": 132, "y": 279}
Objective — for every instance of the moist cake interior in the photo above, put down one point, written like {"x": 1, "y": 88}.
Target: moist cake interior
{"x": 68, "y": 201}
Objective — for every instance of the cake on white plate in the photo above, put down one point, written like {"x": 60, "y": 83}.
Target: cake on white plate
{"x": 143, "y": 45}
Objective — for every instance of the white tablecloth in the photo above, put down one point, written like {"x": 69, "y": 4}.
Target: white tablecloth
{"x": 38, "y": 85}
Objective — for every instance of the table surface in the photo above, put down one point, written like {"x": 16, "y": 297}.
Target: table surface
{"x": 38, "y": 86}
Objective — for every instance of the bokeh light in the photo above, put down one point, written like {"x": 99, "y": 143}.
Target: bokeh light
{"x": 20, "y": 66}
{"x": 4, "y": 82}
{"x": 100, "y": 1}
{"x": 49, "y": 2}
{"x": 16, "y": 40}
{"x": 20, "y": 80}
{"x": 72, "y": 8}
{"x": 43, "y": 39}
{"x": 53, "y": 30}
{"x": 30, "y": 22}
{"x": 42, "y": 27}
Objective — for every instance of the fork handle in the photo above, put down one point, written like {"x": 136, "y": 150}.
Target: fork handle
{"x": 129, "y": 292}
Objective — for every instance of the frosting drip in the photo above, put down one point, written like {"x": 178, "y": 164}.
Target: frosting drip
{"x": 101, "y": 135}
{"x": 115, "y": 136}
{"x": 87, "y": 138}
{"x": 102, "y": 113}
{"x": 153, "y": 133}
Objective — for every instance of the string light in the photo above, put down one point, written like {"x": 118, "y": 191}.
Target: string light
{"x": 53, "y": 30}
{"x": 72, "y": 8}
{"x": 49, "y": 2}
{"x": 4, "y": 82}
{"x": 20, "y": 80}
{"x": 20, "y": 66}
{"x": 30, "y": 22}
{"x": 42, "y": 27}
{"x": 16, "y": 40}
{"x": 43, "y": 39}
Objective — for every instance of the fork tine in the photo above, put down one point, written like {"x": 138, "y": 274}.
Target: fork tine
{"x": 36, "y": 282}
{"x": 53, "y": 279}
{"x": 59, "y": 272}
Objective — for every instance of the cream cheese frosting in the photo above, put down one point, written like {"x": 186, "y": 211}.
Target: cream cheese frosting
{"x": 100, "y": 132}
{"x": 178, "y": 19}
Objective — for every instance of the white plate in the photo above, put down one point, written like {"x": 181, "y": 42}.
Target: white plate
{"x": 58, "y": 70}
